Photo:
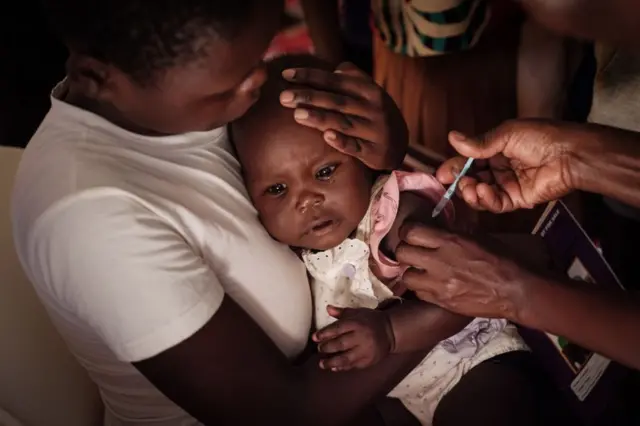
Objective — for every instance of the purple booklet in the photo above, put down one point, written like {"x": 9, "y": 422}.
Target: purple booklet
{"x": 588, "y": 379}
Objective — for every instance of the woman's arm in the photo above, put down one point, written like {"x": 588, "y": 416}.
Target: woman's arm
{"x": 230, "y": 372}
{"x": 413, "y": 330}
{"x": 605, "y": 160}
{"x": 465, "y": 277}
{"x": 158, "y": 305}
{"x": 601, "y": 321}
{"x": 530, "y": 162}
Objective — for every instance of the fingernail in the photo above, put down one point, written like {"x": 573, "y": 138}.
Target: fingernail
{"x": 289, "y": 74}
{"x": 287, "y": 97}
{"x": 457, "y": 135}
{"x": 330, "y": 136}
{"x": 301, "y": 114}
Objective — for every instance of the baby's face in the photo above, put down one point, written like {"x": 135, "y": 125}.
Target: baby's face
{"x": 308, "y": 194}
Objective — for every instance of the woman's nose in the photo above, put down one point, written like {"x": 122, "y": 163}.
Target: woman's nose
{"x": 309, "y": 201}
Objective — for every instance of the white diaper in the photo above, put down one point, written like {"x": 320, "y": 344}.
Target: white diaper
{"x": 423, "y": 389}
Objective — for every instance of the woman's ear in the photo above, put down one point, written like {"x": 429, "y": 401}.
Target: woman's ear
{"x": 93, "y": 78}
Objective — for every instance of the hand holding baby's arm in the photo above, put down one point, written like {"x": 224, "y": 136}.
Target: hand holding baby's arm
{"x": 360, "y": 338}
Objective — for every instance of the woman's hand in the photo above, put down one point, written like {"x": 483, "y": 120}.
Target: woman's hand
{"x": 528, "y": 163}
{"x": 355, "y": 115}
{"x": 360, "y": 338}
{"x": 459, "y": 275}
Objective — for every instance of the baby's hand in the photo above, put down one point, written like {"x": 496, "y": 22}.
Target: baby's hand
{"x": 355, "y": 115}
{"x": 360, "y": 338}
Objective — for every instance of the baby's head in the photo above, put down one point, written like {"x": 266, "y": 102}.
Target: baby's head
{"x": 308, "y": 194}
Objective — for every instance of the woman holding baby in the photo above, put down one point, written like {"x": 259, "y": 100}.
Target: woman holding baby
{"x": 152, "y": 248}
{"x": 169, "y": 259}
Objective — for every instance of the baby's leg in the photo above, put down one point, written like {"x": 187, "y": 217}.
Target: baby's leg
{"x": 506, "y": 390}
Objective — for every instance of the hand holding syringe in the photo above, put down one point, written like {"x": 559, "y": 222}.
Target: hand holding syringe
{"x": 447, "y": 195}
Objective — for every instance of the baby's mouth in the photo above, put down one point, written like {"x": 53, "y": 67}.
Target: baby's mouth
{"x": 323, "y": 226}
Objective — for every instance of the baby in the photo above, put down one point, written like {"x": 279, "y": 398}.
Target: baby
{"x": 343, "y": 220}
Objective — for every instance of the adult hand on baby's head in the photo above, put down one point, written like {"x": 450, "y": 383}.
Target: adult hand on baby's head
{"x": 360, "y": 338}
{"x": 356, "y": 115}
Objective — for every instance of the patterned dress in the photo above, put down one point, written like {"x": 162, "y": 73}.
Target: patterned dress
{"x": 429, "y": 27}
{"x": 448, "y": 64}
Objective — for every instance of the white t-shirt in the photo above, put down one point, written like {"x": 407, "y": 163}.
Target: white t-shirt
{"x": 132, "y": 242}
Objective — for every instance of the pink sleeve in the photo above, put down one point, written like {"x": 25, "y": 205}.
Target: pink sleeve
{"x": 385, "y": 210}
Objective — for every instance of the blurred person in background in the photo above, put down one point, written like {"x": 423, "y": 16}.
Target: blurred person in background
{"x": 454, "y": 64}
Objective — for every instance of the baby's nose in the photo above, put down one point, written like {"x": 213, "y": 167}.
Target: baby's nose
{"x": 309, "y": 201}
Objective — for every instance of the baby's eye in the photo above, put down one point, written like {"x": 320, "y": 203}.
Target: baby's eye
{"x": 277, "y": 189}
{"x": 326, "y": 172}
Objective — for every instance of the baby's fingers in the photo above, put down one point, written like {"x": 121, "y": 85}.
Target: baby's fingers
{"x": 344, "y": 361}
{"x": 334, "y": 330}
{"x": 342, "y": 343}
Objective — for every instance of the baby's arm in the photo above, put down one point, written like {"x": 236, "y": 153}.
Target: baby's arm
{"x": 414, "y": 323}
{"x": 410, "y": 319}
{"x": 412, "y": 207}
